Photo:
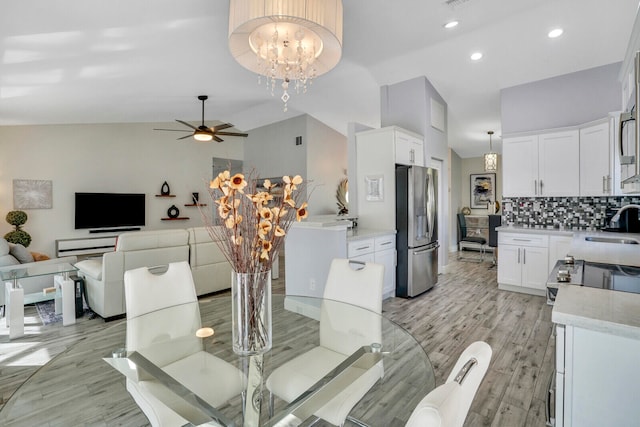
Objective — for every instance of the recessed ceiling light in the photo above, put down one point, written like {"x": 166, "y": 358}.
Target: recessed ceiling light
{"x": 476, "y": 56}
{"x": 556, "y": 32}
{"x": 451, "y": 24}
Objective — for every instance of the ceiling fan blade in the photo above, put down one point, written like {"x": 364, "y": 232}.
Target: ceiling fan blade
{"x": 187, "y": 124}
{"x": 218, "y": 139}
{"x": 185, "y": 137}
{"x": 232, "y": 133}
{"x": 175, "y": 130}
{"x": 222, "y": 126}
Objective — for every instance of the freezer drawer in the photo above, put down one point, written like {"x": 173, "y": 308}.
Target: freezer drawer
{"x": 422, "y": 269}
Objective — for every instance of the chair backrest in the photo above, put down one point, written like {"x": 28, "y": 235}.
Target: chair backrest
{"x": 462, "y": 226}
{"x": 346, "y": 327}
{"x": 448, "y": 404}
{"x": 162, "y": 313}
{"x": 494, "y": 221}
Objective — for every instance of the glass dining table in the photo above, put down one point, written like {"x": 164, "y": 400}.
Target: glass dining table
{"x": 407, "y": 372}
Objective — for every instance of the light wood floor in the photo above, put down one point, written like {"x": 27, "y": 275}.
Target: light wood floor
{"x": 464, "y": 307}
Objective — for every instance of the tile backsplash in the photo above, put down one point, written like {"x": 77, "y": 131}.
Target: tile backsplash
{"x": 583, "y": 213}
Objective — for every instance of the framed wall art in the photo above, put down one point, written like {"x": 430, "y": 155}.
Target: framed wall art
{"x": 32, "y": 194}
{"x": 374, "y": 185}
{"x": 483, "y": 190}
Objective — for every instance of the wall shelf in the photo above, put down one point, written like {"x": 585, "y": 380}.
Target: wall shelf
{"x": 165, "y": 195}
{"x": 180, "y": 218}
{"x": 194, "y": 204}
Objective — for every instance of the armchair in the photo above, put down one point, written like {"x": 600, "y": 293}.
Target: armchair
{"x": 104, "y": 277}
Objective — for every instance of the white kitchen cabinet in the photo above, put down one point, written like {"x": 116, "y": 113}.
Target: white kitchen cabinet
{"x": 385, "y": 254}
{"x": 559, "y": 164}
{"x": 520, "y": 166}
{"x": 524, "y": 262}
{"x": 595, "y": 160}
{"x": 381, "y": 250}
{"x": 597, "y": 378}
{"x": 409, "y": 149}
{"x": 559, "y": 247}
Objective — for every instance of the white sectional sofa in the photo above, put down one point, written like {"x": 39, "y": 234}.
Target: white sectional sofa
{"x": 104, "y": 276}
{"x": 211, "y": 270}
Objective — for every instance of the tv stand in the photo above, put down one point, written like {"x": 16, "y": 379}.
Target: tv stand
{"x": 113, "y": 230}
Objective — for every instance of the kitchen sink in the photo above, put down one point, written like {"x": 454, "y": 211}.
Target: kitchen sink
{"x": 618, "y": 240}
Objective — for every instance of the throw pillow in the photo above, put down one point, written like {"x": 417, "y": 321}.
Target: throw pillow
{"x": 4, "y": 247}
{"x": 6, "y": 260}
{"x": 20, "y": 253}
{"x": 37, "y": 256}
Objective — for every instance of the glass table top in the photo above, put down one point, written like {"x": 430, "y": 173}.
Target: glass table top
{"x": 36, "y": 270}
{"x": 408, "y": 374}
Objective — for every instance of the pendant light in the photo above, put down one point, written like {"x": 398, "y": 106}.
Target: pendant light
{"x": 490, "y": 158}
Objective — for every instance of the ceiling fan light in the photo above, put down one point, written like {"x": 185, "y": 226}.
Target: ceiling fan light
{"x": 202, "y": 136}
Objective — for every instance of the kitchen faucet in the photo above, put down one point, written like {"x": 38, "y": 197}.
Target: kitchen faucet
{"x": 616, "y": 217}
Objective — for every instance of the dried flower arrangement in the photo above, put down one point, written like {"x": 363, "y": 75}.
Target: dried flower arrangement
{"x": 254, "y": 220}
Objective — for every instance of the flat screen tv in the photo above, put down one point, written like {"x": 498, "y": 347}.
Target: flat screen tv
{"x": 108, "y": 210}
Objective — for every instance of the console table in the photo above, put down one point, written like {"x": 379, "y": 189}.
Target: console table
{"x": 15, "y": 297}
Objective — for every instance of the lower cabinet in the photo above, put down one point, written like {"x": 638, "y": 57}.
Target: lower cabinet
{"x": 524, "y": 262}
{"x": 381, "y": 250}
{"x": 597, "y": 378}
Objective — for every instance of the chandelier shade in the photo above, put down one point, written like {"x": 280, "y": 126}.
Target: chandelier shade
{"x": 291, "y": 41}
{"x": 490, "y": 158}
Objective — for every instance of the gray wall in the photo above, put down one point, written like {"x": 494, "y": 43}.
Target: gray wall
{"x": 321, "y": 158}
{"x": 566, "y": 100}
{"x": 408, "y": 105}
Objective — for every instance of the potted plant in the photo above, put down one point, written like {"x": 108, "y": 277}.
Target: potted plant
{"x": 17, "y": 236}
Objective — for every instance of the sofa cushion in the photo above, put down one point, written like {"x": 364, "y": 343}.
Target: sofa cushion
{"x": 8, "y": 259}
{"x": 20, "y": 253}
{"x": 91, "y": 267}
{"x": 144, "y": 240}
{"x": 4, "y": 247}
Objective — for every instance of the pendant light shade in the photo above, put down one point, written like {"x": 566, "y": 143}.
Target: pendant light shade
{"x": 490, "y": 158}
{"x": 286, "y": 41}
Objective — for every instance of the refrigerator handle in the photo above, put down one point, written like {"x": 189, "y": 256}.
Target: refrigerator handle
{"x": 431, "y": 211}
{"x": 430, "y": 248}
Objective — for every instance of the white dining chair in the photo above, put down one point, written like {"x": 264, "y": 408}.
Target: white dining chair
{"x": 162, "y": 318}
{"x": 448, "y": 404}
{"x": 344, "y": 328}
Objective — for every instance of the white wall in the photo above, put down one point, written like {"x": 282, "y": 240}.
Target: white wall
{"x": 104, "y": 158}
{"x": 455, "y": 197}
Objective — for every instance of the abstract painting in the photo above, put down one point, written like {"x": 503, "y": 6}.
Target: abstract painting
{"x": 32, "y": 194}
{"x": 483, "y": 189}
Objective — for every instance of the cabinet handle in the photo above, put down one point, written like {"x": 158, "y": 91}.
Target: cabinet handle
{"x": 604, "y": 184}
{"x": 541, "y": 187}
{"x": 609, "y": 188}
{"x": 535, "y": 186}
{"x": 518, "y": 255}
{"x": 412, "y": 156}
{"x": 385, "y": 243}
{"x": 521, "y": 240}
{"x": 524, "y": 256}
{"x": 362, "y": 247}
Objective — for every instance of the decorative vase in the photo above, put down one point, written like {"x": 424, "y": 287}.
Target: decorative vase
{"x": 251, "y": 312}
{"x": 164, "y": 190}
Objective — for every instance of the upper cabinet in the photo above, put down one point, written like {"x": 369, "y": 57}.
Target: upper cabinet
{"x": 595, "y": 161}
{"x": 541, "y": 165}
{"x": 409, "y": 148}
{"x": 566, "y": 163}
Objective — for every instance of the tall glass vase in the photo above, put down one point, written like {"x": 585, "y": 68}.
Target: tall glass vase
{"x": 251, "y": 312}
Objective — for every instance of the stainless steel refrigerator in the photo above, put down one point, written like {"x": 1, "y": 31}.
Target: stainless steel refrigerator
{"x": 417, "y": 227}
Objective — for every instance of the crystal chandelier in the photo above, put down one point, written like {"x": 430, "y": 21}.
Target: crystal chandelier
{"x": 490, "y": 158}
{"x": 288, "y": 42}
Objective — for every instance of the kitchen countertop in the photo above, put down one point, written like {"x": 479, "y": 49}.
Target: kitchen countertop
{"x": 601, "y": 310}
{"x": 531, "y": 230}
{"x": 363, "y": 233}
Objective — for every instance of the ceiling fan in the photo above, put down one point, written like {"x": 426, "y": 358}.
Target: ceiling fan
{"x": 205, "y": 133}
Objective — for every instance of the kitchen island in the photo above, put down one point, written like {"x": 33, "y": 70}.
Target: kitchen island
{"x": 597, "y": 350}
{"x": 312, "y": 244}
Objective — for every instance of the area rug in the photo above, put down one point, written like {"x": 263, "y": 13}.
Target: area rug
{"x": 47, "y": 312}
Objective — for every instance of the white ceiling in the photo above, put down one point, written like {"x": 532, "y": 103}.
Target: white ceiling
{"x": 96, "y": 61}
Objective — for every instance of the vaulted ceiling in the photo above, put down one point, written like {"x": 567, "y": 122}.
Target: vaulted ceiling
{"x": 96, "y": 61}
